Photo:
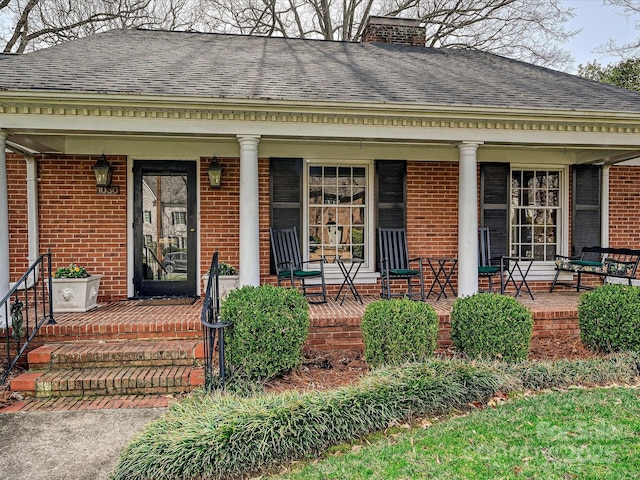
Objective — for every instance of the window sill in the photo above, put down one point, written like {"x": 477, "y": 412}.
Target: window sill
{"x": 336, "y": 278}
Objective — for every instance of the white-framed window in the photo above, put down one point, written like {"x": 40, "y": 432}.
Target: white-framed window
{"x": 537, "y": 212}
{"x": 179, "y": 217}
{"x": 337, "y": 219}
{"x": 147, "y": 216}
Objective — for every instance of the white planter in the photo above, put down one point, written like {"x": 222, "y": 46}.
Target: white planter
{"x": 75, "y": 294}
{"x": 226, "y": 283}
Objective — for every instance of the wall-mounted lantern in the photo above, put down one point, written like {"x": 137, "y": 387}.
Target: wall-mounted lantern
{"x": 215, "y": 173}
{"x": 103, "y": 172}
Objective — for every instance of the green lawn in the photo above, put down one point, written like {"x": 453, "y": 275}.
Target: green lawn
{"x": 574, "y": 434}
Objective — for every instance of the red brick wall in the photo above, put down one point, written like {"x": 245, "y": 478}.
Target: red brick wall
{"x": 81, "y": 226}
{"x": 220, "y": 214}
{"x": 84, "y": 227}
{"x": 624, "y": 207}
{"x": 18, "y": 234}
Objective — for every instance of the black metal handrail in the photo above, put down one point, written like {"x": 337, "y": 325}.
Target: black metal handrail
{"x": 159, "y": 267}
{"x": 211, "y": 323}
{"x": 28, "y": 302}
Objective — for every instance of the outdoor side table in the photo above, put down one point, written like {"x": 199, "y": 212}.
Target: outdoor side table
{"x": 512, "y": 265}
{"x": 347, "y": 267}
{"x": 443, "y": 269}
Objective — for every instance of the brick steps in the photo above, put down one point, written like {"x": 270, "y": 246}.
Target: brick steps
{"x": 114, "y": 354}
{"x": 109, "y": 381}
{"x": 112, "y": 368}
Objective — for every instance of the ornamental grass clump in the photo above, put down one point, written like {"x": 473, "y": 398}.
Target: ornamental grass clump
{"x": 223, "y": 436}
{"x": 269, "y": 327}
{"x": 609, "y": 318}
{"x": 226, "y": 437}
{"x": 398, "y": 331}
{"x": 490, "y": 325}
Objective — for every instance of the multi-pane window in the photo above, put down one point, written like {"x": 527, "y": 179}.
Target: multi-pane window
{"x": 179, "y": 217}
{"x": 535, "y": 213}
{"x": 337, "y": 211}
{"x": 147, "y": 216}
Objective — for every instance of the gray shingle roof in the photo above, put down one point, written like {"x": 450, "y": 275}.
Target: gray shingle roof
{"x": 241, "y": 67}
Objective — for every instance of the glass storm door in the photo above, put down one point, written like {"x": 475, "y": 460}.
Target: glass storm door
{"x": 164, "y": 228}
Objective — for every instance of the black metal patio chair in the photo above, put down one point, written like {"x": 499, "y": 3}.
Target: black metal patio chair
{"x": 290, "y": 267}
{"x": 394, "y": 261}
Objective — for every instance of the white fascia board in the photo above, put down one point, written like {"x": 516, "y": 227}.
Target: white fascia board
{"x": 127, "y": 114}
{"x": 187, "y": 127}
{"x": 96, "y": 100}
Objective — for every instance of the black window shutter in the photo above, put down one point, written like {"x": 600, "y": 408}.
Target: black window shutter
{"x": 585, "y": 227}
{"x": 286, "y": 194}
{"x": 391, "y": 193}
{"x": 494, "y": 205}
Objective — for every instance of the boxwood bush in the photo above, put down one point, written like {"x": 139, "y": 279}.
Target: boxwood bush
{"x": 398, "y": 331}
{"x": 609, "y": 318}
{"x": 270, "y": 326}
{"x": 491, "y": 325}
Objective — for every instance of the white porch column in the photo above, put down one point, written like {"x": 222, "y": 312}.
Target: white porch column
{"x": 604, "y": 211}
{"x": 249, "y": 217}
{"x": 468, "y": 220}
{"x": 4, "y": 223}
{"x": 32, "y": 208}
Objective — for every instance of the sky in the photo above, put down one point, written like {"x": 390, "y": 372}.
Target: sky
{"x": 599, "y": 23}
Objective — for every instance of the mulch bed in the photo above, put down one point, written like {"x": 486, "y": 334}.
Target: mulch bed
{"x": 333, "y": 369}
{"x": 322, "y": 370}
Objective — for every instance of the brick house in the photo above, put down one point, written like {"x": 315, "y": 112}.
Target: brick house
{"x": 335, "y": 138}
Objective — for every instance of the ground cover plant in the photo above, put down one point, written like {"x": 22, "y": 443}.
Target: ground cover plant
{"x": 570, "y": 434}
{"x": 224, "y": 436}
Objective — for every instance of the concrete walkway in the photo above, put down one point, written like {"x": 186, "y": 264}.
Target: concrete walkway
{"x": 67, "y": 445}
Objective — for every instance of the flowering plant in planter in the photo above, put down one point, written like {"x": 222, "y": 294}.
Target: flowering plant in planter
{"x": 72, "y": 271}
{"x": 73, "y": 289}
{"x": 226, "y": 269}
{"x": 227, "y": 279}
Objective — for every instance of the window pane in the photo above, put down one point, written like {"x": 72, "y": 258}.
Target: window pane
{"x": 535, "y": 213}
{"x": 336, "y": 211}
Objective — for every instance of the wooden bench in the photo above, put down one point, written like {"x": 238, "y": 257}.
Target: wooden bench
{"x": 604, "y": 262}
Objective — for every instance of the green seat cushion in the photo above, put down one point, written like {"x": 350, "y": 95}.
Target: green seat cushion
{"x": 307, "y": 273}
{"x": 586, "y": 263}
{"x": 400, "y": 271}
{"x": 487, "y": 270}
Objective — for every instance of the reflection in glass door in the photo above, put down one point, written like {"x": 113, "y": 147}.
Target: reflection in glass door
{"x": 164, "y": 229}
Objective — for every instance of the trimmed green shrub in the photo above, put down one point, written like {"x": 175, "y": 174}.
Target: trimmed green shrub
{"x": 270, "y": 326}
{"x": 491, "y": 325}
{"x": 609, "y": 318}
{"x": 398, "y": 331}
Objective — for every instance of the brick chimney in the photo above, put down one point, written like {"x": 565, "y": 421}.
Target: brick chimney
{"x": 395, "y": 31}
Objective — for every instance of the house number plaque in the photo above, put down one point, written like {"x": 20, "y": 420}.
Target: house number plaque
{"x": 112, "y": 190}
